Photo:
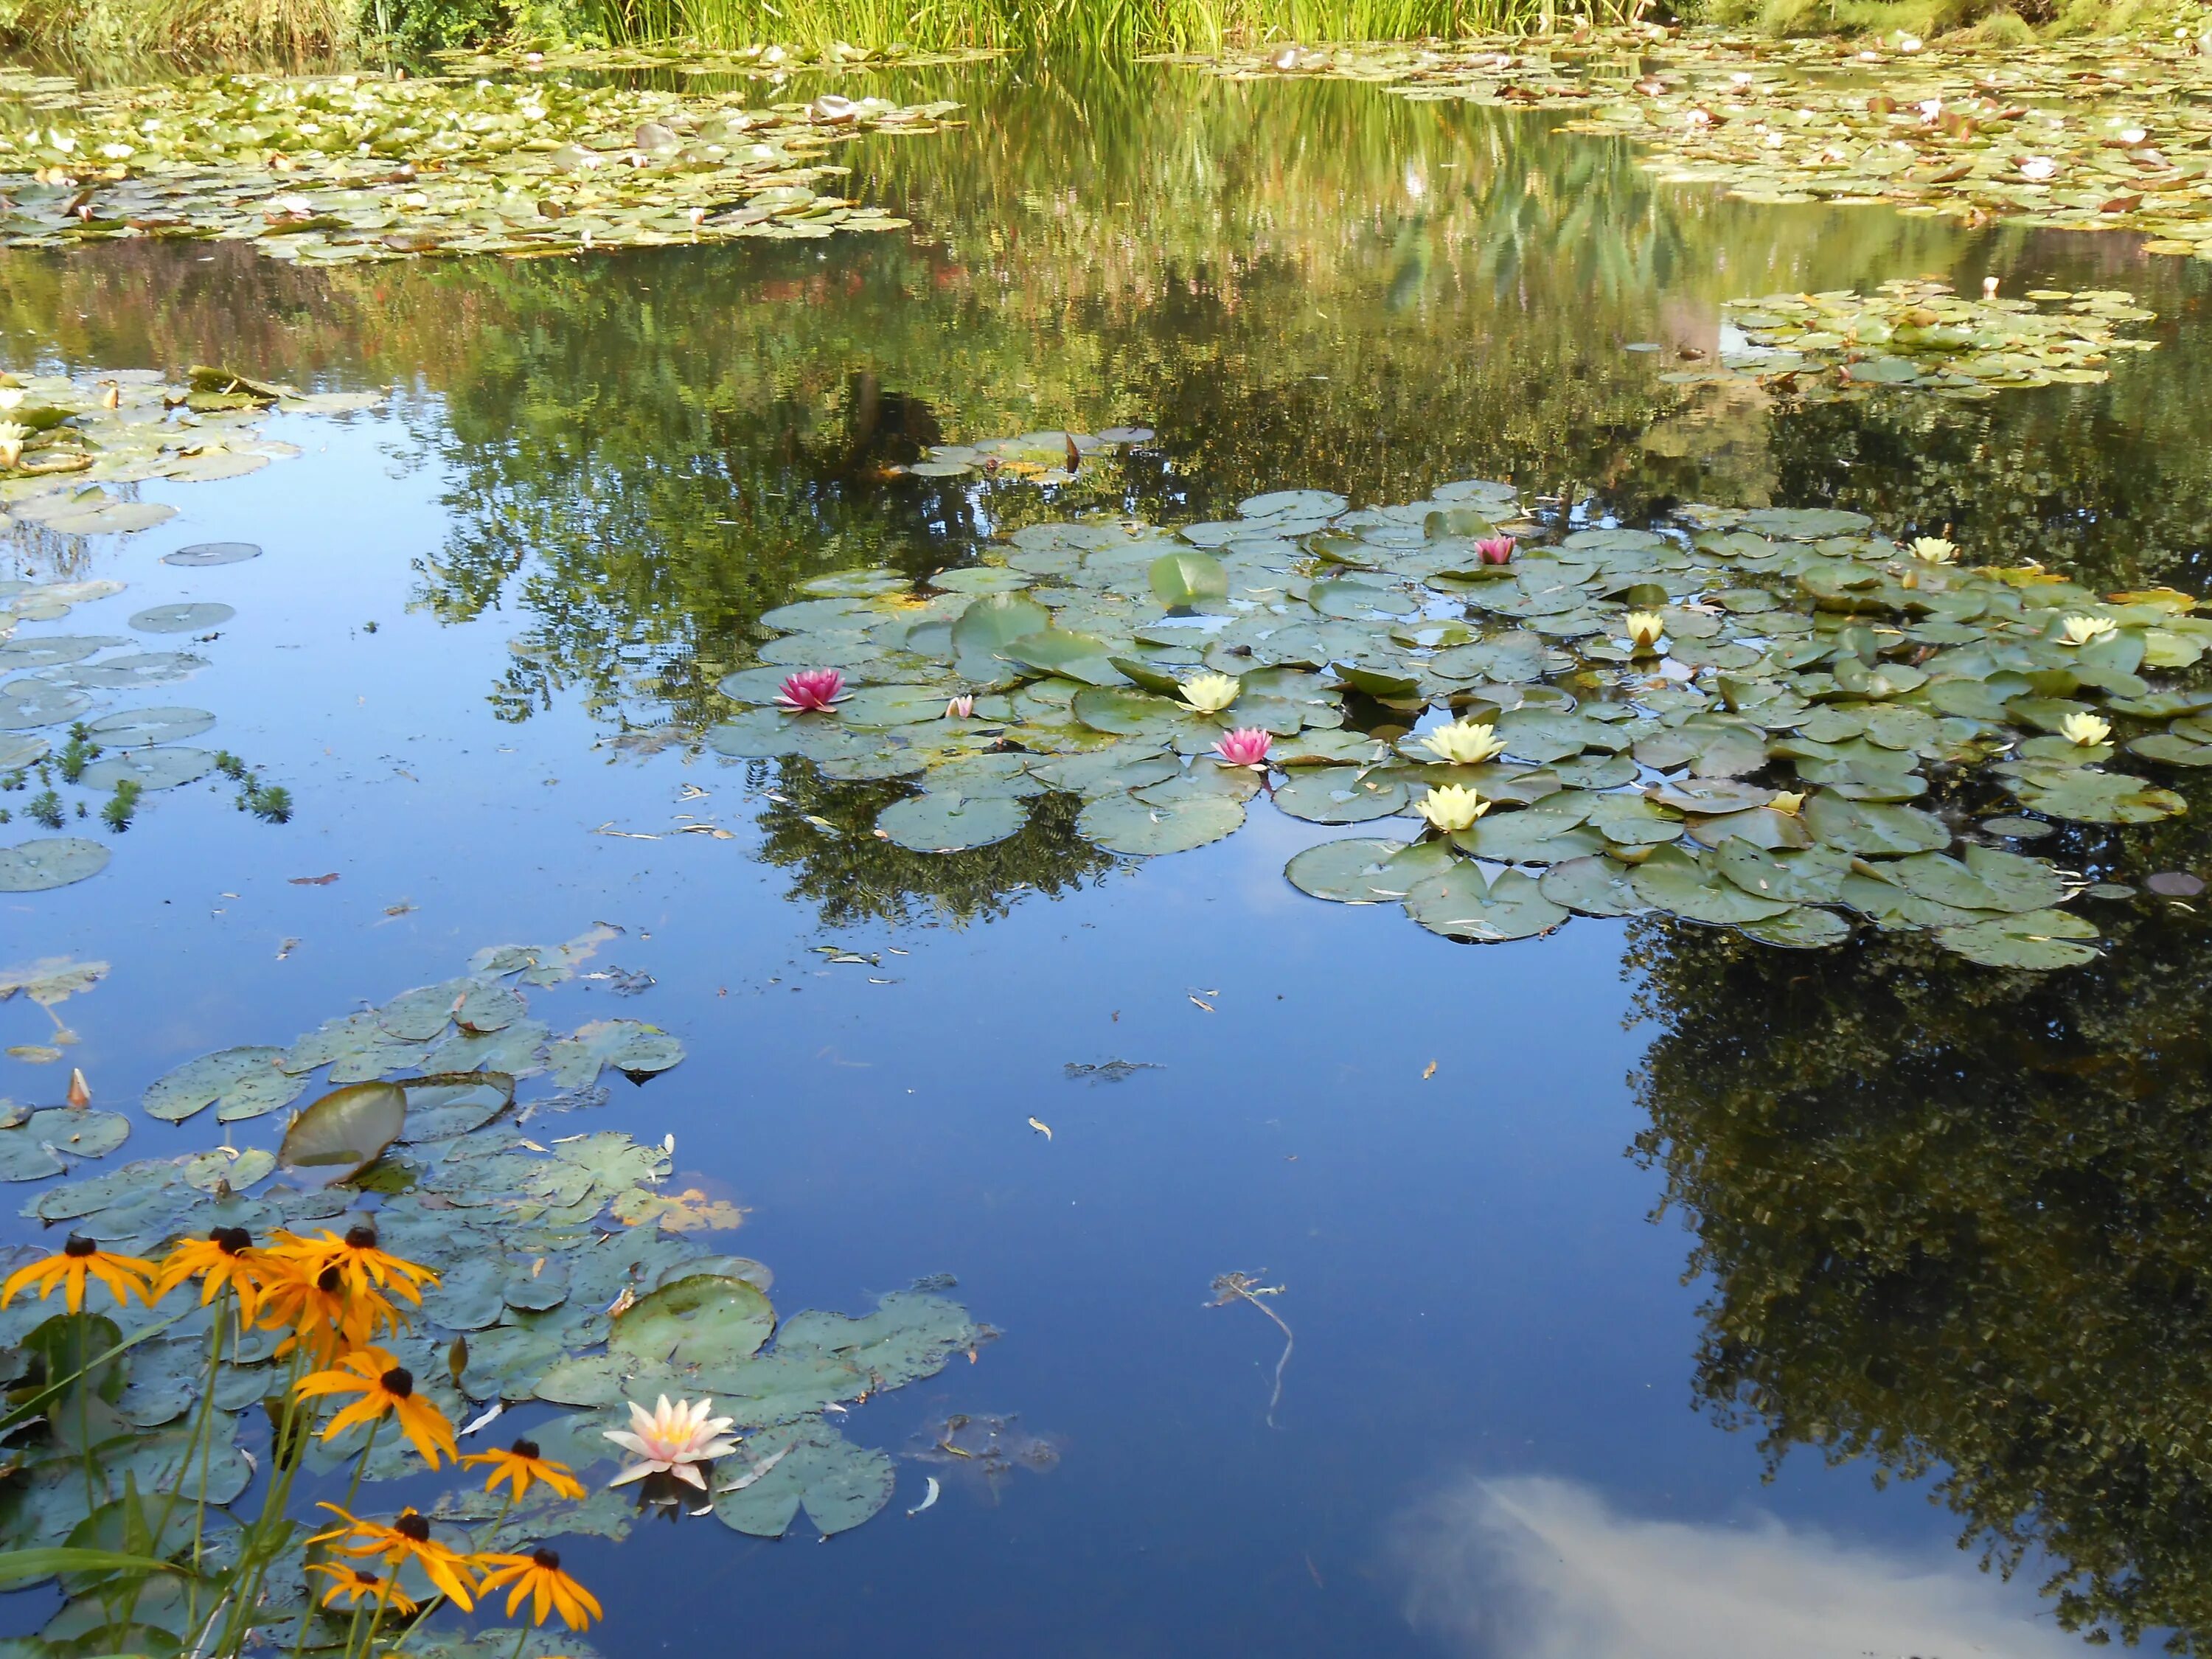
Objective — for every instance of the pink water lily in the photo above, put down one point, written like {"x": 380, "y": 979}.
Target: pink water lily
{"x": 1247, "y": 746}
{"x": 812, "y": 690}
{"x": 960, "y": 707}
{"x": 1495, "y": 550}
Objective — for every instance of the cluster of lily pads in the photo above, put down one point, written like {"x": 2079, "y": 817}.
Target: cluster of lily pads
{"x": 568, "y": 1273}
{"x": 342, "y": 168}
{"x": 1773, "y": 720}
{"x": 2093, "y": 134}
{"x": 1038, "y": 458}
{"x": 765, "y": 61}
{"x": 1915, "y": 333}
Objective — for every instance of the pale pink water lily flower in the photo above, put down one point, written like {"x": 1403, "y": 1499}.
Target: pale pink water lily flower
{"x": 960, "y": 707}
{"x": 812, "y": 690}
{"x": 671, "y": 1439}
{"x": 1247, "y": 746}
{"x": 1495, "y": 550}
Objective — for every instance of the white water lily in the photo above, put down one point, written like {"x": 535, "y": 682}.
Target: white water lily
{"x": 1465, "y": 743}
{"x": 1210, "y": 694}
{"x": 12, "y": 433}
{"x": 2086, "y": 631}
{"x": 2086, "y": 730}
{"x": 1449, "y": 807}
{"x": 2036, "y": 168}
{"x": 1934, "y": 550}
{"x": 1644, "y": 628}
{"x": 671, "y": 1440}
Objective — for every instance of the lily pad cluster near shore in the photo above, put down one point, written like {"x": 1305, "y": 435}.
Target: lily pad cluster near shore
{"x": 562, "y": 1279}
{"x": 2088, "y": 134}
{"x": 1916, "y": 333}
{"x": 1773, "y": 720}
{"x": 342, "y": 168}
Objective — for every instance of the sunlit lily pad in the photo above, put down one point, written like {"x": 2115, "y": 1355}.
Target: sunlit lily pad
{"x": 1461, "y": 904}
{"x": 138, "y": 728}
{"x": 1121, "y": 823}
{"x": 1347, "y": 871}
{"x": 184, "y": 617}
{"x": 950, "y": 823}
{"x": 42, "y": 1144}
{"x": 202, "y": 554}
{"x": 240, "y": 1083}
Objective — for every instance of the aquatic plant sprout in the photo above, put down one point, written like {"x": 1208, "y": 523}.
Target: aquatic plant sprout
{"x": 671, "y": 1440}
{"x": 1246, "y": 747}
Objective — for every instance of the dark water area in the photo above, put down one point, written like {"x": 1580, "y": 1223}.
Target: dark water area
{"x": 1654, "y": 1293}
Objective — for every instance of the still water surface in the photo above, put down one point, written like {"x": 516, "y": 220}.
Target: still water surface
{"x": 1668, "y": 1203}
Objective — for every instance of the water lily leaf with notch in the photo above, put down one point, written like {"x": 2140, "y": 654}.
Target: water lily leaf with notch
{"x": 1116, "y": 768}
{"x": 36, "y": 867}
{"x": 2091, "y": 797}
{"x": 630, "y": 1046}
{"x": 764, "y": 733}
{"x": 1378, "y": 683}
{"x": 1708, "y": 797}
{"x": 704, "y": 1322}
{"x": 1761, "y": 826}
{"x": 1541, "y": 735}
{"x": 1805, "y": 928}
{"x": 1595, "y": 886}
{"x": 1072, "y": 655}
{"x": 356, "y": 1047}
{"x": 40, "y": 1147}
{"x": 840, "y": 1485}
{"x": 1986, "y": 880}
{"x": 424, "y": 1013}
{"x": 1180, "y": 580}
{"x": 343, "y": 1133}
{"x": 1349, "y": 872}
{"x": 241, "y": 1083}
{"x": 1121, "y": 823}
{"x": 1343, "y": 794}
{"x": 1461, "y": 904}
{"x": 1635, "y": 820}
{"x": 947, "y": 822}
{"x": 995, "y": 621}
{"x": 439, "y": 1111}
{"x": 1671, "y": 880}
{"x": 1811, "y": 876}
{"x": 225, "y": 1166}
{"x": 2039, "y": 941}
{"x": 893, "y": 705}
{"x": 1126, "y": 714}
{"x": 1550, "y": 832}
{"x": 1873, "y": 830}
{"x": 517, "y": 1050}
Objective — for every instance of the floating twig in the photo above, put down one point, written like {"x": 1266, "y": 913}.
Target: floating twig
{"x": 1242, "y": 1287}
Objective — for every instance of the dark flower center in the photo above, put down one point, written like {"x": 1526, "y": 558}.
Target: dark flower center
{"x": 526, "y": 1448}
{"x": 231, "y": 1241}
{"x": 413, "y": 1527}
{"x": 80, "y": 1247}
{"x": 399, "y": 1381}
{"x": 361, "y": 1238}
{"x": 547, "y": 1560}
{"x": 329, "y": 1281}
{"x": 367, "y": 1580}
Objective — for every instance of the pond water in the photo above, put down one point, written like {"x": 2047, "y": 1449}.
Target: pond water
{"x": 1578, "y": 1236}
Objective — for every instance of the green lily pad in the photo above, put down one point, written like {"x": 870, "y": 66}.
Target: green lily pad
{"x": 1121, "y": 823}
{"x": 347, "y": 1130}
{"x": 2037, "y": 941}
{"x": 139, "y": 728}
{"x": 1350, "y": 871}
{"x": 703, "y": 1321}
{"x": 26, "y": 705}
{"x": 1460, "y": 904}
{"x": 1805, "y": 928}
{"x": 1180, "y": 581}
{"x": 1342, "y": 795}
{"x": 950, "y": 823}
{"x": 1593, "y": 886}
{"x": 182, "y": 618}
{"x": 42, "y": 1144}
{"x": 1671, "y": 880}
{"x": 156, "y": 768}
{"x": 839, "y": 1485}
{"x": 631, "y": 1047}
{"x": 240, "y": 1083}
{"x": 34, "y": 866}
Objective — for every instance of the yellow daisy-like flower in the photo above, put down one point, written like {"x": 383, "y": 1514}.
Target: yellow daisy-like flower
{"x": 224, "y": 1259}
{"x": 324, "y": 1319}
{"x": 352, "y": 1583}
{"x": 386, "y": 1387}
{"x": 359, "y": 1261}
{"x": 1465, "y": 743}
{"x": 407, "y": 1539}
{"x": 539, "y": 1576}
{"x": 1210, "y": 694}
{"x": 522, "y": 1466}
{"x": 81, "y": 1259}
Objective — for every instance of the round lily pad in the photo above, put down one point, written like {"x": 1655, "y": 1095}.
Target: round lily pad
{"x": 150, "y": 768}
{"x": 201, "y": 554}
{"x": 1122, "y": 823}
{"x": 52, "y": 649}
{"x": 1805, "y": 928}
{"x": 32, "y": 867}
{"x": 17, "y": 750}
{"x": 345, "y": 1131}
{"x": 2174, "y": 884}
{"x": 950, "y": 823}
{"x": 26, "y": 704}
{"x": 40, "y": 1146}
{"x": 138, "y": 728}
{"x": 246, "y": 1082}
{"x": 1595, "y": 886}
{"x": 1342, "y": 794}
{"x": 2039, "y": 941}
{"x": 1461, "y": 904}
{"x": 222, "y": 1166}
{"x": 2019, "y": 828}
{"x": 1347, "y": 871}
{"x": 182, "y": 618}
{"x": 142, "y": 668}
{"x": 1671, "y": 880}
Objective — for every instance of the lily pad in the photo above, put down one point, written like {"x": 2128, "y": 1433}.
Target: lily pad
{"x": 42, "y": 1144}
{"x": 1461, "y": 904}
{"x": 950, "y": 823}
{"x": 1671, "y": 880}
{"x": 1347, "y": 871}
{"x": 139, "y": 728}
{"x": 183, "y": 617}
{"x": 2037, "y": 941}
{"x": 240, "y": 1083}
{"x": 1121, "y": 823}
{"x": 33, "y": 867}
{"x": 156, "y": 768}
{"x": 200, "y": 555}
{"x": 345, "y": 1131}
{"x": 1342, "y": 795}
{"x": 25, "y": 705}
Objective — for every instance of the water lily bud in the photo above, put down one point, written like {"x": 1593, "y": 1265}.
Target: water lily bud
{"x": 1644, "y": 628}
{"x": 12, "y": 433}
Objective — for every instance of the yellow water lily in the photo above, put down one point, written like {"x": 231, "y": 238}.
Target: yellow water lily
{"x": 2086, "y": 730}
{"x": 12, "y": 433}
{"x": 1789, "y": 802}
{"x": 1449, "y": 807}
{"x": 1644, "y": 628}
{"x": 1934, "y": 550}
{"x": 2085, "y": 630}
{"x": 1465, "y": 743}
{"x": 1210, "y": 694}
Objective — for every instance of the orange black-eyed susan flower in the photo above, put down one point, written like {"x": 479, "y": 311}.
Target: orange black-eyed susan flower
{"x": 225, "y": 1259}
{"x": 325, "y": 1316}
{"x": 351, "y": 1584}
{"x": 522, "y": 1466}
{"x": 538, "y": 1577}
{"x": 407, "y": 1539}
{"x": 361, "y": 1260}
{"x": 385, "y": 1388}
{"x": 81, "y": 1259}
